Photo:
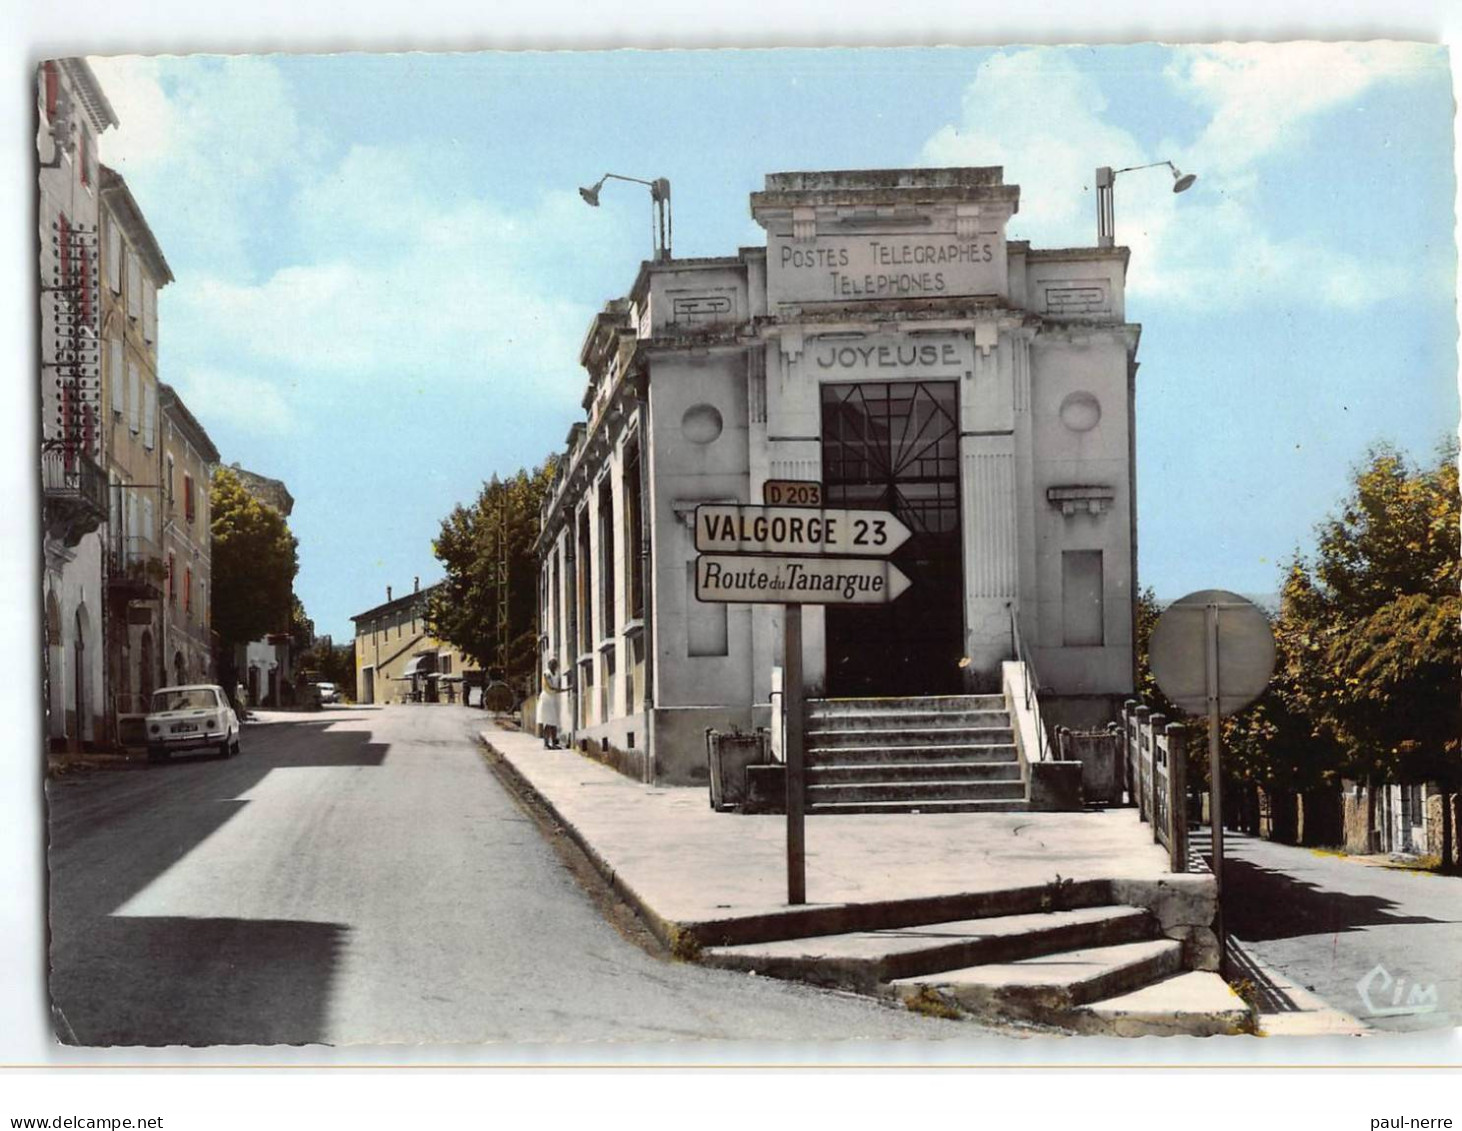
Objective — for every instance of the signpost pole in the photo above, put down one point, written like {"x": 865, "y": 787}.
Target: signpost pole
{"x": 792, "y": 750}
{"x": 1215, "y": 773}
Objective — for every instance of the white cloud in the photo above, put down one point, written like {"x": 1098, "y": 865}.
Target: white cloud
{"x": 1042, "y": 117}
{"x": 206, "y": 132}
{"x": 245, "y": 402}
{"x": 1259, "y": 93}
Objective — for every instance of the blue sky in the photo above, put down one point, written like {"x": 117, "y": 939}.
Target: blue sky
{"x": 384, "y": 271}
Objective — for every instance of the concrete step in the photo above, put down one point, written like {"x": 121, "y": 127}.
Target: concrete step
{"x": 821, "y": 773}
{"x": 817, "y": 738}
{"x": 926, "y": 807}
{"x": 806, "y": 920}
{"x": 1194, "y": 1004}
{"x": 1049, "y": 989}
{"x": 958, "y": 752}
{"x": 907, "y": 720}
{"x": 863, "y": 960}
{"x": 937, "y": 789}
{"x": 911, "y": 703}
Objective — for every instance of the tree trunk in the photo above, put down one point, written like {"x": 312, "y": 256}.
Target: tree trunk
{"x": 1449, "y": 865}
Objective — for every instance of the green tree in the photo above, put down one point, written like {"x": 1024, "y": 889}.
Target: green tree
{"x": 464, "y": 608}
{"x": 1374, "y": 625}
{"x": 255, "y": 559}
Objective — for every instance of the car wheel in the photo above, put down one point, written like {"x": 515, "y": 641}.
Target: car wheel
{"x": 224, "y": 748}
{"x": 235, "y": 748}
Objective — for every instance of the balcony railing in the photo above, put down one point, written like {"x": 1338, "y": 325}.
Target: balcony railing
{"x": 75, "y": 492}
{"x": 135, "y": 566}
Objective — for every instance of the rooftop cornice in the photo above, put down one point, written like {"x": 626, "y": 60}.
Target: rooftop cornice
{"x": 123, "y": 206}
{"x": 172, "y": 403}
{"x": 83, "y": 79}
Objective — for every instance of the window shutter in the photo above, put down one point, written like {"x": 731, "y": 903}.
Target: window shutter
{"x": 114, "y": 258}
{"x": 134, "y": 292}
{"x": 148, "y": 528}
{"x": 188, "y": 590}
{"x": 149, "y": 311}
{"x": 188, "y": 497}
{"x": 53, "y": 90}
{"x": 83, "y": 155}
{"x": 118, "y": 377}
{"x": 172, "y": 579}
{"x": 134, "y": 398}
{"x": 149, "y": 419}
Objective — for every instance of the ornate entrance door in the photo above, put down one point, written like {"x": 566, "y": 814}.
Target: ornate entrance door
{"x": 894, "y": 446}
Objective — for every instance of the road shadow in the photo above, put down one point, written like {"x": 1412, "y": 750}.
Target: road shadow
{"x": 1261, "y": 904}
{"x": 166, "y": 981}
{"x": 176, "y": 980}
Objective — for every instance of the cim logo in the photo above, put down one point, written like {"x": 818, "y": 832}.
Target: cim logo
{"x": 1373, "y": 993}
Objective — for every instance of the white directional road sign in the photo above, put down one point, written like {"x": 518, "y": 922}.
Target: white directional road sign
{"x": 749, "y": 529}
{"x": 806, "y": 581}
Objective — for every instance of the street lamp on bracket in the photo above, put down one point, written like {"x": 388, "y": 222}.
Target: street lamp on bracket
{"x": 1106, "y": 175}
{"x": 659, "y": 197}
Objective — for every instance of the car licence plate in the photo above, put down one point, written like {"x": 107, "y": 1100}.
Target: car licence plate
{"x": 185, "y": 728}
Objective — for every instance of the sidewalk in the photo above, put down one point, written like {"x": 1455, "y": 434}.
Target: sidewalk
{"x": 689, "y": 869}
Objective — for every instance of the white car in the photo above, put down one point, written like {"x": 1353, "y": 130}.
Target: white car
{"x": 329, "y": 693}
{"x": 192, "y": 717}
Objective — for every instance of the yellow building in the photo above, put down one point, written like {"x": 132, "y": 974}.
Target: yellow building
{"x": 133, "y": 271}
{"x": 397, "y": 660}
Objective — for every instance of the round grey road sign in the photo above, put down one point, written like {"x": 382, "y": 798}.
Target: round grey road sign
{"x": 1178, "y": 651}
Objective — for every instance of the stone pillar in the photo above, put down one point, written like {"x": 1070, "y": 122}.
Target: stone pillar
{"x": 989, "y": 529}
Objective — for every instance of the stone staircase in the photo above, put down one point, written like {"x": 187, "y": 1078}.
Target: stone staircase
{"x": 935, "y": 754}
{"x": 1081, "y": 964}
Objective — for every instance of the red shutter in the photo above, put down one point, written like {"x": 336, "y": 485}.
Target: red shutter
{"x": 53, "y": 90}
{"x": 88, "y": 429}
{"x": 188, "y": 590}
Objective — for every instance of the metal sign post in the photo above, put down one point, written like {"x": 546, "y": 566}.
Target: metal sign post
{"x": 794, "y": 556}
{"x": 792, "y": 751}
{"x": 1215, "y": 772}
{"x": 1212, "y": 653}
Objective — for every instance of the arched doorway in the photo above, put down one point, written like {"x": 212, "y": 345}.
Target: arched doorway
{"x": 180, "y": 670}
{"x": 55, "y": 674}
{"x": 145, "y": 669}
{"x": 78, "y": 646}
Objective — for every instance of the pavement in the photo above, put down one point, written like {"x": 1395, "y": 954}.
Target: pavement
{"x": 682, "y": 863}
{"x": 1379, "y": 943}
{"x": 359, "y": 876}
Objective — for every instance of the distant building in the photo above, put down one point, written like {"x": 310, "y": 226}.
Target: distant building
{"x": 397, "y": 660}
{"x": 188, "y": 459}
{"x": 893, "y": 345}
{"x": 133, "y": 271}
{"x": 73, "y": 112}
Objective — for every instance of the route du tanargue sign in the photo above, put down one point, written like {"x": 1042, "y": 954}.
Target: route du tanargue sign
{"x": 797, "y": 555}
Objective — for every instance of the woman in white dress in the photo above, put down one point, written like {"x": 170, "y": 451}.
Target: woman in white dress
{"x": 547, "y": 714}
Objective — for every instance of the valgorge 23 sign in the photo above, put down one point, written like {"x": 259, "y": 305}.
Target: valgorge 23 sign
{"x": 731, "y": 528}
{"x": 807, "y": 581}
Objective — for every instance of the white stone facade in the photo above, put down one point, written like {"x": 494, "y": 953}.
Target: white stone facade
{"x": 72, "y": 112}
{"x": 891, "y": 343}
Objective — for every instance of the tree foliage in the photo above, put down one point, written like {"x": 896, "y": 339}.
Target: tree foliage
{"x": 255, "y": 559}
{"x": 463, "y": 609}
{"x": 1373, "y": 625}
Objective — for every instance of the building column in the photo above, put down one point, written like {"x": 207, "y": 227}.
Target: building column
{"x": 988, "y": 525}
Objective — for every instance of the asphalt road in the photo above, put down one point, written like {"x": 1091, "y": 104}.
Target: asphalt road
{"x": 360, "y": 876}
{"x": 1329, "y": 923}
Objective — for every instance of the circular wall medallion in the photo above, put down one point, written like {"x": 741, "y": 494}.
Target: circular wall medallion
{"x": 701, "y": 423}
{"x": 1080, "y": 412}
